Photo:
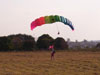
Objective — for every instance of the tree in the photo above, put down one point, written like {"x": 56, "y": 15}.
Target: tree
{"x": 28, "y": 45}
{"x": 44, "y": 41}
{"x": 15, "y": 43}
{"x": 60, "y": 43}
{"x": 21, "y": 42}
{"x": 3, "y": 43}
{"x": 98, "y": 45}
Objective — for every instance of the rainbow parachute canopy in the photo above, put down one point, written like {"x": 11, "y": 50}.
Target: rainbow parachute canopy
{"x": 51, "y": 19}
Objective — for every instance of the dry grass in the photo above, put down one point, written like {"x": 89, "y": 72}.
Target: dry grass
{"x": 39, "y": 63}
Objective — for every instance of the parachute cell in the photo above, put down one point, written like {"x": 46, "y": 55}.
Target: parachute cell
{"x": 47, "y": 20}
{"x": 57, "y": 18}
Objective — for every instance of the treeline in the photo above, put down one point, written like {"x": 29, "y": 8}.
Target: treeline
{"x": 23, "y": 42}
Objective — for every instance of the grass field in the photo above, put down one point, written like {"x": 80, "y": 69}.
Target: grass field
{"x": 39, "y": 63}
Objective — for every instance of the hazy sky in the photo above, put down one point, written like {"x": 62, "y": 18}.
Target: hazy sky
{"x": 16, "y": 16}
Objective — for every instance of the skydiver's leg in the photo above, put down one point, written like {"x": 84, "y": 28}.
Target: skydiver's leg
{"x": 52, "y": 56}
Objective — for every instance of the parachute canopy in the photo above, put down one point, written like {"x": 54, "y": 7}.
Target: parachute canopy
{"x": 51, "y": 19}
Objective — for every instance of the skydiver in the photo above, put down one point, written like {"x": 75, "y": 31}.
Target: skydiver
{"x": 58, "y": 33}
{"x": 53, "y": 51}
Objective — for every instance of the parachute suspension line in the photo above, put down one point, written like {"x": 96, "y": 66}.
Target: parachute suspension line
{"x": 58, "y": 29}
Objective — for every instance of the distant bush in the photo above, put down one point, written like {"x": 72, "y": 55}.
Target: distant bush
{"x": 22, "y": 42}
{"x": 98, "y": 45}
{"x": 44, "y": 41}
{"x": 60, "y": 43}
{"x": 4, "y": 43}
{"x": 28, "y": 45}
{"x": 17, "y": 42}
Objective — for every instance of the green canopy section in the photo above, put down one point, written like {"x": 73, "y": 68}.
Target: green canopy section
{"x": 52, "y": 19}
{"x": 57, "y": 18}
{"x": 47, "y": 19}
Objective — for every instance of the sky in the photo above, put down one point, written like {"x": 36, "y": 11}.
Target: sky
{"x": 17, "y": 15}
